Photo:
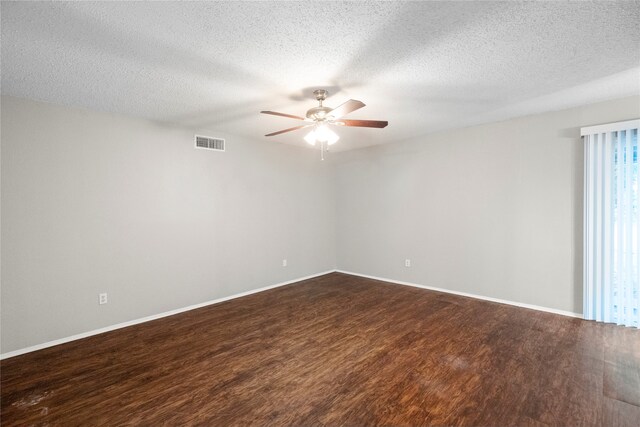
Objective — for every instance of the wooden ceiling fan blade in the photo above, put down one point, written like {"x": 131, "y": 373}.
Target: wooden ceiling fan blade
{"x": 363, "y": 123}
{"x": 346, "y": 108}
{"x": 291, "y": 116}
{"x": 287, "y": 130}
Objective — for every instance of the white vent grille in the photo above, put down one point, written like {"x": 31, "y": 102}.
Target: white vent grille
{"x": 208, "y": 143}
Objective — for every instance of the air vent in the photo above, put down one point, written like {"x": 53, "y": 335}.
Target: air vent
{"x": 208, "y": 143}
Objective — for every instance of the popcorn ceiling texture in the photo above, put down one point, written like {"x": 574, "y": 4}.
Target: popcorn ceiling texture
{"x": 423, "y": 66}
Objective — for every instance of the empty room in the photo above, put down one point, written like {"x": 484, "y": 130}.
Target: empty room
{"x": 359, "y": 213}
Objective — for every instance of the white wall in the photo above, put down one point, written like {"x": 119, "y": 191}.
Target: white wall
{"x": 493, "y": 210}
{"x": 94, "y": 202}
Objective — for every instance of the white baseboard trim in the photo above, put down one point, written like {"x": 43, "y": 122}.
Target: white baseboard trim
{"x": 253, "y": 291}
{"x": 465, "y": 294}
{"x": 152, "y": 317}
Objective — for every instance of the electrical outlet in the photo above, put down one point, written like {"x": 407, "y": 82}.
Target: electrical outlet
{"x": 407, "y": 263}
{"x": 102, "y": 299}
{"x": 284, "y": 262}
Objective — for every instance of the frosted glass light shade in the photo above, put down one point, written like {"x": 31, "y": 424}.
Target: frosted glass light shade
{"x": 311, "y": 137}
{"x": 324, "y": 134}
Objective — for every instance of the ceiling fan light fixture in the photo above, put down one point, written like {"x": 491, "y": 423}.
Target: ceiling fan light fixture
{"x": 324, "y": 134}
{"x": 321, "y": 133}
{"x": 311, "y": 137}
{"x": 320, "y": 117}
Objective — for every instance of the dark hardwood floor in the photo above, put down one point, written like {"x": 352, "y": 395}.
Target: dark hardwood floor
{"x": 336, "y": 350}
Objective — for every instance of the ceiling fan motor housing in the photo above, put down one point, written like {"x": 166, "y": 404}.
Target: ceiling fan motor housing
{"x": 319, "y": 113}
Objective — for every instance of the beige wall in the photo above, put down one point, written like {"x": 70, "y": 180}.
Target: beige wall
{"x": 493, "y": 210}
{"x": 94, "y": 202}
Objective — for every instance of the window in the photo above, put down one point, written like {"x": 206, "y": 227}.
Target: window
{"x": 611, "y": 224}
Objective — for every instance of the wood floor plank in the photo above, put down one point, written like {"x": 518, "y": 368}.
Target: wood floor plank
{"x": 620, "y": 414}
{"x": 622, "y": 358}
{"x": 335, "y": 350}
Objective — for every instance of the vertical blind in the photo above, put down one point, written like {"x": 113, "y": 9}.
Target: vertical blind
{"x": 611, "y": 223}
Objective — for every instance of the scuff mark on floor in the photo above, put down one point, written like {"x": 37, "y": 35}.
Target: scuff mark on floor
{"x": 32, "y": 400}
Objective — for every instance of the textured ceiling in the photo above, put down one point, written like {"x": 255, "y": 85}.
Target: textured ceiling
{"x": 423, "y": 66}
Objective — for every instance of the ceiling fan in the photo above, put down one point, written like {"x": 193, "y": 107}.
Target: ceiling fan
{"x": 319, "y": 117}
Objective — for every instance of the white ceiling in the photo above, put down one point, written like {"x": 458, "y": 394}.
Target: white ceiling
{"x": 423, "y": 66}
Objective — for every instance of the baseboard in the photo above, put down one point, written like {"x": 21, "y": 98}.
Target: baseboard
{"x": 152, "y": 317}
{"x": 465, "y": 294}
{"x": 253, "y": 291}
